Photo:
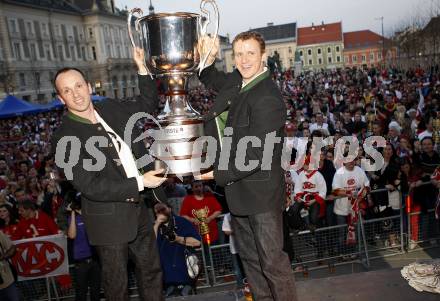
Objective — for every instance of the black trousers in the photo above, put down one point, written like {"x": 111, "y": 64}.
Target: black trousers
{"x": 87, "y": 274}
{"x": 259, "y": 241}
{"x": 295, "y": 219}
{"x": 143, "y": 252}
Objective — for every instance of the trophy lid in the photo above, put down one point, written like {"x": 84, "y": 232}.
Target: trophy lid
{"x": 168, "y": 15}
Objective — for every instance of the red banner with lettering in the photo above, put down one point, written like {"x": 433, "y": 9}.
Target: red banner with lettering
{"x": 41, "y": 257}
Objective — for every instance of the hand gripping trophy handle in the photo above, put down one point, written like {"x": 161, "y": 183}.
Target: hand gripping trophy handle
{"x": 203, "y": 25}
{"x": 137, "y": 28}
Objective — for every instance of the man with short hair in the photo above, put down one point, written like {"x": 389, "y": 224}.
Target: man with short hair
{"x": 199, "y": 200}
{"x": 319, "y": 124}
{"x": 113, "y": 196}
{"x": 249, "y": 104}
{"x": 33, "y": 222}
{"x": 174, "y": 235}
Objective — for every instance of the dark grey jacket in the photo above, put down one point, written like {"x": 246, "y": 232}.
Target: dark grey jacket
{"x": 108, "y": 215}
{"x": 256, "y": 111}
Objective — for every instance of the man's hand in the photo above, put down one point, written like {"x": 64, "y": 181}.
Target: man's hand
{"x": 205, "y": 176}
{"x": 151, "y": 180}
{"x": 203, "y": 47}
{"x": 160, "y": 219}
{"x": 139, "y": 59}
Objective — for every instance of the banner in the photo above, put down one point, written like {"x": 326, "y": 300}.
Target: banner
{"x": 41, "y": 257}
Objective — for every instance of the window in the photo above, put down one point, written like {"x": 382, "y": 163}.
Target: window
{"x": 372, "y": 57}
{"x": 118, "y": 51}
{"x": 33, "y": 52}
{"x": 17, "y": 51}
{"x": 329, "y": 59}
{"x": 83, "y": 52}
{"x": 301, "y": 53}
{"x": 90, "y": 32}
{"x": 309, "y": 51}
{"x": 319, "y": 51}
{"x": 60, "y": 52}
{"x": 364, "y": 58}
{"x": 290, "y": 49}
{"x": 337, "y": 49}
{"x": 320, "y": 61}
{"x": 12, "y": 26}
{"x": 379, "y": 56}
{"x": 94, "y": 53}
{"x": 354, "y": 58}
{"x": 338, "y": 59}
{"x": 329, "y": 50}
{"x": 22, "y": 79}
{"x": 72, "y": 52}
{"x": 37, "y": 78}
{"x": 346, "y": 58}
{"x": 29, "y": 28}
{"x": 48, "y": 52}
{"x": 44, "y": 29}
{"x": 310, "y": 62}
{"x": 57, "y": 30}
{"x": 109, "y": 50}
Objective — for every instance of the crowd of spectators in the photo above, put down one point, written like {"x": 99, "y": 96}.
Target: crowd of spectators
{"x": 400, "y": 105}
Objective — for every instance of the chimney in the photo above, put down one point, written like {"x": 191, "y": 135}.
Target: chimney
{"x": 269, "y": 24}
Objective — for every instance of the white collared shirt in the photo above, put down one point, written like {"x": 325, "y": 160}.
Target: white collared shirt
{"x": 124, "y": 153}
{"x": 243, "y": 84}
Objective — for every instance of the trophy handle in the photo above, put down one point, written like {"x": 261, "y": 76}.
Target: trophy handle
{"x": 137, "y": 28}
{"x": 204, "y": 28}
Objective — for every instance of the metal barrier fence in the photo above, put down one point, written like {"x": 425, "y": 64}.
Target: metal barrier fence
{"x": 323, "y": 248}
{"x": 423, "y": 230}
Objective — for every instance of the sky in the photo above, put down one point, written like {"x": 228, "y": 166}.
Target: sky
{"x": 241, "y": 15}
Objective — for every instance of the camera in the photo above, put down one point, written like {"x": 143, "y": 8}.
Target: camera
{"x": 168, "y": 230}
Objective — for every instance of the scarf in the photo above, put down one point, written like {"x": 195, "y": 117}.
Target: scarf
{"x": 353, "y": 215}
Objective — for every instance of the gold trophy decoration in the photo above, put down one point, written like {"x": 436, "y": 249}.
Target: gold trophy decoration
{"x": 201, "y": 215}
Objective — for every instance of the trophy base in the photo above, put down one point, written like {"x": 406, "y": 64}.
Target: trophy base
{"x": 177, "y": 147}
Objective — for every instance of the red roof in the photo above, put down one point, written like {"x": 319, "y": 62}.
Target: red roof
{"x": 361, "y": 39}
{"x": 320, "y": 34}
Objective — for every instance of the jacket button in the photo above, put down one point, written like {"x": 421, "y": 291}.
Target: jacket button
{"x": 110, "y": 144}
{"x": 99, "y": 128}
{"x": 214, "y": 113}
{"x": 229, "y": 102}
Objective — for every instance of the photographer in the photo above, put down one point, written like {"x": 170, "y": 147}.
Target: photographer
{"x": 174, "y": 234}
{"x": 87, "y": 268}
{"x": 8, "y": 289}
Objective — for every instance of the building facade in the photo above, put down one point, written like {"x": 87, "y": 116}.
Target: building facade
{"x": 321, "y": 46}
{"x": 365, "y": 48}
{"x": 37, "y": 38}
{"x": 280, "y": 39}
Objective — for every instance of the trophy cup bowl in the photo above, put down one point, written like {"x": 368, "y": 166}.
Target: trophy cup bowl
{"x": 201, "y": 215}
{"x": 170, "y": 44}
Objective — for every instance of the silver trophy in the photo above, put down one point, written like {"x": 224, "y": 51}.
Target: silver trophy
{"x": 170, "y": 43}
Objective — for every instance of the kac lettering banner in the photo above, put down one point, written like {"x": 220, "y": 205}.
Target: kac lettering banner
{"x": 41, "y": 257}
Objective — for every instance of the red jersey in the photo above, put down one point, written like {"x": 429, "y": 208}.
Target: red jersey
{"x": 40, "y": 225}
{"x": 10, "y": 230}
{"x": 190, "y": 203}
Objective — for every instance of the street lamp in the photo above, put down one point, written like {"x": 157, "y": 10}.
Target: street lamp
{"x": 383, "y": 39}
